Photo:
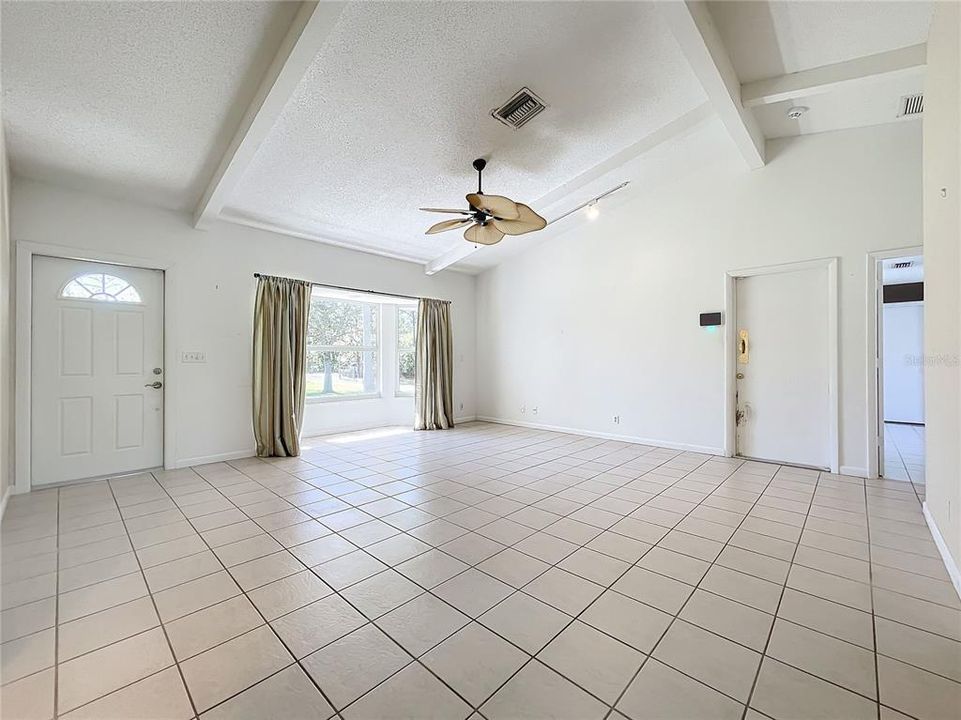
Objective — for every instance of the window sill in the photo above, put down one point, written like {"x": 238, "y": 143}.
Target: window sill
{"x": 343, "y": 398}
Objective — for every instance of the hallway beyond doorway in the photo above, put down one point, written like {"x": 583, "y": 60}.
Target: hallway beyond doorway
{"x": 904, "y": 454}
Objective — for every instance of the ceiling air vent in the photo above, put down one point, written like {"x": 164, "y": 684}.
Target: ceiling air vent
{"x": 520, "y": 109}
{"x": 911, "y": 105}
{"x": 901, "y": 265}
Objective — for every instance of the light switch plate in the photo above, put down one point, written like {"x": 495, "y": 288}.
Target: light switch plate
{"x": 193, "y": 356}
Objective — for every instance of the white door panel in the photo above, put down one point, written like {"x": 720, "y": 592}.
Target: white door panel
{"x": 96, "y": 344}
{"x": 783, "y": 388}
{"x": 903, "y": 343}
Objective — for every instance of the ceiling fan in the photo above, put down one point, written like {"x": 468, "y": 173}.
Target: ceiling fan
{"x": 490, "y": 217}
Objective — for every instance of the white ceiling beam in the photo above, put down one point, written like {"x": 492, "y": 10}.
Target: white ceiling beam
{"x": 833, "y": 77}
{"x": 450, "y": 257}
{"x": 309, "y": 30}
{"x": 693, "y": 28}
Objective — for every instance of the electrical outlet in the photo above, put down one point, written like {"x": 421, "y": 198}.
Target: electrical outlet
{"x": 617, "y": 419}
{"x": 534, "y": 410}
{"x": 193, "y": 356}
{"x": 462, "y": 406}
{"x": 523, "y": 409}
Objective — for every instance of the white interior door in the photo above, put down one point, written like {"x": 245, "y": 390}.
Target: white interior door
{"x": 783, "y": 368}
{"x": 903, "y": 343}
{"x": 97, "y": 370}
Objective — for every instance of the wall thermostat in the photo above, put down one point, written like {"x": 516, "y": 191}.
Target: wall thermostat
{"x": 710, "y": 319}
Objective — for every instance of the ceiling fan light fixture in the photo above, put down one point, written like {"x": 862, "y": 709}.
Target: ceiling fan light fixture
{"x": 490, "y": 217}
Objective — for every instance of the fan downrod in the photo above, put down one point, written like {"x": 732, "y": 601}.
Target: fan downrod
{"x": 479, "y": 165}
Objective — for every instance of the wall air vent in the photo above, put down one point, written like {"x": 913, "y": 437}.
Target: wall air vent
{"x": 901, "y": 265}
{"x": 520, "y": 109}
{"x": 911, "y": 105}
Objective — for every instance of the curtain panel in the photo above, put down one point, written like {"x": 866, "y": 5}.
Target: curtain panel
{"x": 433, "y": 379}
{"x": 279, "y": 364}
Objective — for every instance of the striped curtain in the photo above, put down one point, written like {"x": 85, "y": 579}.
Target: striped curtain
{"x": 280, "y": 361}
{"x": 433, "y": 384}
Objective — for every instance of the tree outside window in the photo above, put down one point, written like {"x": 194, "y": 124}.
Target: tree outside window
{"x": 342, "y": 341}
{"x": 406, "y": 348}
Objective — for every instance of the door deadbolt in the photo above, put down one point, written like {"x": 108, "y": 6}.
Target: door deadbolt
{"x": 158, "y": 371}
{"x": 155, "y": 385}
{"x": 740, "y": 376}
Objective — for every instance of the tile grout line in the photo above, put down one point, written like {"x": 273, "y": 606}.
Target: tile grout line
{"x": 531, "y": 657}
{"x": 153, "y": 602}
{"x": 56, "y": 621}
{"x": 580, "y": 480}
{"x": 770, "y": 634}
{"x": 266, "y": 622}
{"x": 874, "y": 623}
{"x": 667, "y": 487}
{"x": 676, "y": 615}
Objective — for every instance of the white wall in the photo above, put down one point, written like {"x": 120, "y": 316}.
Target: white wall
{"x": 942, "y": 282}
{"x": 6, "y": 331}
{"x": 903, "y": 338}
{"x": 603, "y": 320}
{"x": 210, "y": 288}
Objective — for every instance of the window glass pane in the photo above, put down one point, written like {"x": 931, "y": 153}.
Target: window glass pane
{"x": 342, "y": 322}
{"x": 332, "y": 373}
{"x": 342, "y": 357}
{"x": 101, "y": 287}
{"x": 406, "y": 331}
{"x": 406, "y": 324}
{"x": 405, "y": 384}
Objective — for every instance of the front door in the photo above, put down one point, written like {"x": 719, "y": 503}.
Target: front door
{"x": 97, "y": 370}
{"x": 783, "y": 368}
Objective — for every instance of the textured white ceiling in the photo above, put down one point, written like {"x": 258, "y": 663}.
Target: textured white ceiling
{"x": 397, "y": 105}
{"x": 139, "y": 99}
{"x": 131, "y": 98}
{"x": 768, "y": 39}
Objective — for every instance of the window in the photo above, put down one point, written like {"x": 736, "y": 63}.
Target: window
{"x": 406, "y": 333}
{"x": 342, "y": 339}
{"x": 100, "y": 287}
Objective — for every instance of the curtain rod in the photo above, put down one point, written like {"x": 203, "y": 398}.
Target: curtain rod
{"x": 360, "y": 290}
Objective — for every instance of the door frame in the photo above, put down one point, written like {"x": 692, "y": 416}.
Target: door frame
{"x": 730, "y": 342}
{"x": 25, "y": 253}
{"x": 874, "y": 354}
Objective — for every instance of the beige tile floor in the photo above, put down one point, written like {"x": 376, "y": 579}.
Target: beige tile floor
{"x": 904, "y": 454}
{"x": 488, "y": 571}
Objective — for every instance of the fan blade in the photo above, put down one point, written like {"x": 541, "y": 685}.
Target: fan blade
{"x": 445, "y": 225}
{"x": 528, "y": 221}
{"x": 497, "y": 205}
{"x": 445, "y": 210}
{"x": 483, "y": 234}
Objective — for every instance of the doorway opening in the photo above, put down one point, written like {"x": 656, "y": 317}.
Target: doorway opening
{"x": 900, "y": 354}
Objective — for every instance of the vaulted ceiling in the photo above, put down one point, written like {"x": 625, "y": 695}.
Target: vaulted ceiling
{"x": 335, "y": 122}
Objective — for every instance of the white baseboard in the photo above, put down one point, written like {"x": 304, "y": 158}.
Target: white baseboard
{"x": 854, "y": 471}
{"x": 207, "y": 459}
{"x": 687, "y": 447}
{"x": 949, "y": 563}
{"x": 3, "y": 502}
{"x": 465, "y": 419}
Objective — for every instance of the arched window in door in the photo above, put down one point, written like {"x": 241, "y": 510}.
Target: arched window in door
{"x": 100, "y": 287}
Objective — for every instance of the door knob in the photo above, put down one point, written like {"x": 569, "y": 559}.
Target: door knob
{"x": 155, "y": 385}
